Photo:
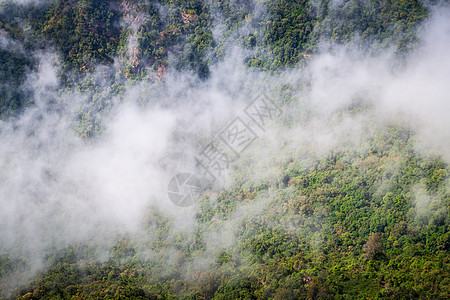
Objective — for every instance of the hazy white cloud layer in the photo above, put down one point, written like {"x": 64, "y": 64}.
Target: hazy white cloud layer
{"x": 56, "y": 188}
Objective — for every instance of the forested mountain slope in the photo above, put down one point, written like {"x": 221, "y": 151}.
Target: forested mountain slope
{"x": 344, "y": 195}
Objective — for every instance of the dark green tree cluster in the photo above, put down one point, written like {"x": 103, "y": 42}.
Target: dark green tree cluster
{"x": 85, "y": 32}
{"x": 375, "y": 22}
{"x": 286, "y": 34}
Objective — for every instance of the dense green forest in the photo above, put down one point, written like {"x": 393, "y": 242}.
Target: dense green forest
{"x": 367, "y": 243}
{"x": 360, "y": 222}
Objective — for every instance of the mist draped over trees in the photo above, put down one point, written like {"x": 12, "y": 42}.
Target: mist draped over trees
{"x": 342, "y": 191}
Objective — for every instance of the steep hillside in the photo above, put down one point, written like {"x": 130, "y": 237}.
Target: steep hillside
{"x": 339, "y": 187}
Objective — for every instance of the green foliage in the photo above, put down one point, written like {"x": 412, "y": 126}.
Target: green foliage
{"x": 86, "y": 32}
{"x": 289, "y": 30}
{"x": 381, "y": 22}
{"x": 372, "y": 224}
{"x": 147, "y": 38}
{"x": 348, "y": 227}
{"x": 13, "y": 71}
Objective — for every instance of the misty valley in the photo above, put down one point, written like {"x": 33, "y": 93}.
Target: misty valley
{"x": 212, "y": 149}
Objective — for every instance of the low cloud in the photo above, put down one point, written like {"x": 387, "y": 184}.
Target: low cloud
{"x": 57, "y": 188}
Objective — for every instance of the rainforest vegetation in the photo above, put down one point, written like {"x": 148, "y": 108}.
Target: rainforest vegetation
{"x": 363, "y": 222}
